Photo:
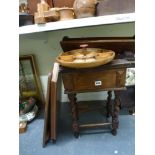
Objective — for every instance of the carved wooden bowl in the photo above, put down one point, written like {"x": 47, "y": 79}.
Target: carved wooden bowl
{"x": 85, "y": 58}
{"x": 66, "y": 13}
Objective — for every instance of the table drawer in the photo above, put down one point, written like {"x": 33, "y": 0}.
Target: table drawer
{"x": 94, "y": 80}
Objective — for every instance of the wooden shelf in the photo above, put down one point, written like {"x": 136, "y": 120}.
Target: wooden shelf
{"x": 83, "y": 22}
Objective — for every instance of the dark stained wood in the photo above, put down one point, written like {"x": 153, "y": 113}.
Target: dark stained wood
{"x": 115, "y": 64}
{"x": 117, "y": 44}
{"x": 50, "y": 116}
{"x": 83, "y": 91}
{"x": 75, "y": 81}
{"x": 128, "y": 98}
{"x": 109, "y": 104}
{"x": 108, "y": 7}
{"x": 115, "y": 114}
{"x": 110, "y": 76}
{"x": 120, "y": 78}
{"x": 73, "y": 105}
{"x": 118, "y": 47}
{"x": 94, "y": 125}
{"x": 85, "y": 39}
{"x": 53, "y": 122}
{"x": 86, "y": 81}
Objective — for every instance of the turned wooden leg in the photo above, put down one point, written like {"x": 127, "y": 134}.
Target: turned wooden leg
{"x": 74, "y": 110}
{"x": 76, "y": 107}
{"x": 115, "y": 120}
{"x": 108, "y": 105}
{"x": 120, "y": 105}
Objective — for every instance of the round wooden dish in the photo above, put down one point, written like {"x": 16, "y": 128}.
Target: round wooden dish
{"x": 90, "y": 57}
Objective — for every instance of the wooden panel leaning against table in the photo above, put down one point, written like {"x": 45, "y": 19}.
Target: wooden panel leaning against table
{"x": 50, "y": 116}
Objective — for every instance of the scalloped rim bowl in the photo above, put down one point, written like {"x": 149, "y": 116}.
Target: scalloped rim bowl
{"x": 101, "y": 56}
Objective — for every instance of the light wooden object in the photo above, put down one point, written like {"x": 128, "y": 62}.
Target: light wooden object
{"x": 85, "y": 58}
{"x": 22, "y": 127}
{"x": 66, "y": 13}
{"x": 51, "y": 15}
{"x": 39, "y": 15}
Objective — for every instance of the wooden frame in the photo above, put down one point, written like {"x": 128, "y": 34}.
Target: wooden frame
{"x": 29, "y": 82}
{"x": 51, "y": 107}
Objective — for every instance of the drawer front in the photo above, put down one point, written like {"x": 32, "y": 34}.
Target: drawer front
{"x": 94, "y": 80}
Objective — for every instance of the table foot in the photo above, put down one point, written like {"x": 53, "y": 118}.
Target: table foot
{"x": 53, "y": 141}
{"x": 76, "y": 134}
{"x": 114, "y": 132}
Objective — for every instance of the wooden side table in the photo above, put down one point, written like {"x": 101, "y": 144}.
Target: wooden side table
{"x": 110, "y": 77}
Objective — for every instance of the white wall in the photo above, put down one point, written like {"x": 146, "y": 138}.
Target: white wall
{"x": 46, "y": 47}
{"x": 22, "y": 1}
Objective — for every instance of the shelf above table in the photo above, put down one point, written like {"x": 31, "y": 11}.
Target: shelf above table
{"x": 75, "y": 23}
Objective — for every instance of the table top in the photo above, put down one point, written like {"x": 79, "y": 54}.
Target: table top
{"x": 116, "y": 63}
